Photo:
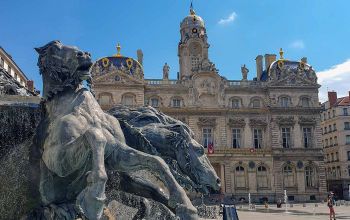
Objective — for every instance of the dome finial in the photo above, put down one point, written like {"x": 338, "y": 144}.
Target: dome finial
{"x": 118, "y": 50}
{"x": 192, "y": 12}
{"x": 281, "y": 54}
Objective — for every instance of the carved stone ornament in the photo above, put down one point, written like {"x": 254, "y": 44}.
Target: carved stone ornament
{"x": 285, "y": 120}
{"x": 307, "y": 120}
{"x": 211, "y": 122}
{"x": 236, "y": 122}
{"x": 257, "y": 122}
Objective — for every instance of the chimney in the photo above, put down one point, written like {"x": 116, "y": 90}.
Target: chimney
{"x": 259, "y": 66}
{"x": 269, "y": 58}
{"x": 30, "y": 85}
{"x": 332, "y": 98}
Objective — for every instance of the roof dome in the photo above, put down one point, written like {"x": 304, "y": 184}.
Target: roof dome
{"x": 192, "y": 20}
{"x": 117, "y": 62}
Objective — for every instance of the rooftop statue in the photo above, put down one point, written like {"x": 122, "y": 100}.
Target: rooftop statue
{"x": 77, "y": 143}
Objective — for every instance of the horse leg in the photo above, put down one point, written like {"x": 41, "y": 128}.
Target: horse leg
{"x": 124, "y": 158}
{"x": 91, "y": 199}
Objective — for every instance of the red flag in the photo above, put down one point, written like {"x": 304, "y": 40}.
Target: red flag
{"x": 210, "y": 148}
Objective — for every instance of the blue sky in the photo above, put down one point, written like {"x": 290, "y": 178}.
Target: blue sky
{"x": 238, "y": 30}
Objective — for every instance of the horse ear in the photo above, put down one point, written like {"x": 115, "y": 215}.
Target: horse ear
{"x": 38, "y": 50}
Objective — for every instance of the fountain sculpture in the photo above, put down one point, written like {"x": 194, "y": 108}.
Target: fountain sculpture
{"x": 77, "y": 147}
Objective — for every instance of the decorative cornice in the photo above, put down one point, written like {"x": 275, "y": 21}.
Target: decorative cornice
{"x": 307, "y": 120}
{"x": 257, "y": 122}
{"x": 285, "y": 120}
{"x": 236, "y": 122}
{"x": 211, "y": 122}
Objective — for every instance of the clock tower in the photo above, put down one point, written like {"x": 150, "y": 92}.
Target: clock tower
{"x": 193, "y": 45}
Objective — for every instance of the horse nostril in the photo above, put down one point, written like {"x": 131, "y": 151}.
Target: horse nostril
{"x": 218, "y": 181}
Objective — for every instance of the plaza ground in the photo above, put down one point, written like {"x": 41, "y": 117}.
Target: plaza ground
{"x": 297, "y": 212}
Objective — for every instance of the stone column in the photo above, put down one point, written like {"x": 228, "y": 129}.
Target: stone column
{"x": 223, "y": 177}
{"x": 300, "y": 180}
{"x": 297, "y": 136}
{"x": 248, "y": 136}
{"x": 252, "y": 180}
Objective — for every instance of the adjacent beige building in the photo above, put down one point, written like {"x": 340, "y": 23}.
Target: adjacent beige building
{"x": 14, "y": 71}
{"x": 336, "y": 142}
{"x": 265, "y": 133}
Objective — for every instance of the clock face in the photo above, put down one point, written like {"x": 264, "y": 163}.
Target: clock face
{"x": 195, "y": 48}
{"x": 194, "y": 30}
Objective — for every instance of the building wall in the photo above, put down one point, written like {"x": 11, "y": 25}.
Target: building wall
{"x": 336, "y": 148}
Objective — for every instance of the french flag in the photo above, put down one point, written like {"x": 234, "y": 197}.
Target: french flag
{"x": 210, "y": 148}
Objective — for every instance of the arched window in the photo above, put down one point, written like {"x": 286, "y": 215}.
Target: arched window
{"x": 288, "y": 176}
{"x": 240, "y": 177}
{"x": 256, "y": 103}
{"x": 105, "y": 99}
{"x": 154, "y": 102}
{"x": 310, "y": 176}
{"x": 284, "y": 102}
{"x": 262, "y": 177}
{"x": 235, "y": 103}
{"x": 129, "y": 99}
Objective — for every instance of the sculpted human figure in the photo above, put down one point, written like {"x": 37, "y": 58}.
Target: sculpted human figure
{"x": 166, "y": 69}
{"x": 78, "y": 141}
{"x": 244, "y": 71}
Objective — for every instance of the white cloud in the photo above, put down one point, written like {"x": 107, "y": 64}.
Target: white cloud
{"x": 297, "y": 44}
{"x": 229, "y": 19}
{"x": 336, "y": 78}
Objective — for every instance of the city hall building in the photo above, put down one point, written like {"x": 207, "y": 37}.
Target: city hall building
{"x": 263, "y": 135}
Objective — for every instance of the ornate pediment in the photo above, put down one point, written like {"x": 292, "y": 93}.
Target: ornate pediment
{"x": 205, "y": 66}
{"x": 305, "y": 120}
{"x": 236, "y": 122}
{"x": 289, "y": 120}
{"x": 116, "y": 77}
{"x": 210, "y": 122}
{"x": 257, "y": 122}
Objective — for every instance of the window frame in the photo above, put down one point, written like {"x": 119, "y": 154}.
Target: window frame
{"x": 207, "y": 137}
{"x": 258, "y": 138}
{"x": 236, "y": 135}
{"x": 286, "y": 137}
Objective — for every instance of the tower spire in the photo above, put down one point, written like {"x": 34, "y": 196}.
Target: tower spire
{"x": 192, "y": 12}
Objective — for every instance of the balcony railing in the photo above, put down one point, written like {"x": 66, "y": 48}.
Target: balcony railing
{"x": 162, "y": 82}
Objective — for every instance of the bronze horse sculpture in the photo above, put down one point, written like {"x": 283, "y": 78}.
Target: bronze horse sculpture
{"x": 77, "y": 142}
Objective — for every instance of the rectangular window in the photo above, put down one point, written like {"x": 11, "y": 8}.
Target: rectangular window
{"x": 194, "y": 62}
{"x": 9, "y": 70}
{"x": 326, "y": 142}
{"x": 345, "y": 111}
{"x": 307, "y": 137}
{"x": 349, "y": 155}
{"x": 333, "y": 113}
{"x": 330, "y": 128}
{"x": 284, "y": 102}
{"x": 347, "y": 139}
{"x": 329, "y": 115}
{"x": 305, "y": 102}
{"x": 154, "y": 102}
{"x": 176, "y": 103}
{"x": 207, "y": 137}
{"x": 258, "y": 138}
{"x": 332, "y": 156}
{"x": 236, "y": 138}
{"x": 286, "y": 139}
{"x": 2, "y": 62}
{"x": 346, "y": 125}
{"x": 331, "y": 142}
{"x": 324, "y": 116}
{"x": 325, "y": 130}
{"x": 335, "y": 140}
{"x": 334, "y": 127}
{"x": 235, "y": 103}
{"x": 336, "y": 156}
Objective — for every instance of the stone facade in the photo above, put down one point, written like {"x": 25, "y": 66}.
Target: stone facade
{"x": 336, "y": 142}
{"x": 263, "y": 135}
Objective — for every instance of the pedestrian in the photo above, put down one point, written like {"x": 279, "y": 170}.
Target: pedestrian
{"x": 330, "y": 204}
